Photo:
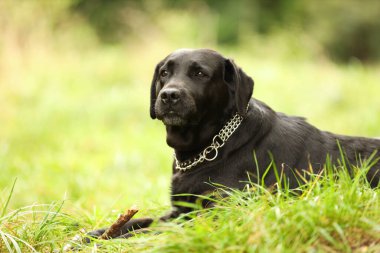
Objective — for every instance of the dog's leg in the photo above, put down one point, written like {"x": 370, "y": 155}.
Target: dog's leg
{"x": 132, "y": 225}
{"x": 135, "y": 232}
{"x": 174, "y": 213}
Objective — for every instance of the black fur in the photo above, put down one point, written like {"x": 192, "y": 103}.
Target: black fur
{"x": 208, "y": 89}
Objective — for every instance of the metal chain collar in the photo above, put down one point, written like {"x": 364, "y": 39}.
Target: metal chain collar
{"x": 211, "y": 152}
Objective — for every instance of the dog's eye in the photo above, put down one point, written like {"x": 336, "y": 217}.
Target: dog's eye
{"x": 200, "y": 74}
{"x": 164, "y": 73}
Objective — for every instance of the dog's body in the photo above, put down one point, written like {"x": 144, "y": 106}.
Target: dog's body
{"x": 195, "y": 92}
{"x": 265, "y": 136}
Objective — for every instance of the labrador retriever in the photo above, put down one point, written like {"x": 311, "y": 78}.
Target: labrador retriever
{"x": 220, "y": 134}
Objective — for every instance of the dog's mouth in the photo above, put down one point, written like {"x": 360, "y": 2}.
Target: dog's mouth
{"x": 172, "y": 118}
{"x": 179, "y": 114}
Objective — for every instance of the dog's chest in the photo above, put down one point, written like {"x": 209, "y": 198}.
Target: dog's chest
{"x": 184, "y": 182}
{"x": 204, "y": 180}
{"x": 194, "y": 182}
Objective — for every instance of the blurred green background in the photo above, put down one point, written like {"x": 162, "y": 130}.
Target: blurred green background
{"x": 75, "y": 77}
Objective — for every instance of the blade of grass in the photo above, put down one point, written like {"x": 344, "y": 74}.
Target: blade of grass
{"x": 14, "y": 242}
{"x": 5, "y": 240}
{"x": 46, "y": 220}
{"x": 13, "y": 238}
{"x": 8, "y": 199}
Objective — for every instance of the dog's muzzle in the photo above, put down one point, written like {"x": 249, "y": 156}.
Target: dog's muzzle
{"x": 174, "y": 107}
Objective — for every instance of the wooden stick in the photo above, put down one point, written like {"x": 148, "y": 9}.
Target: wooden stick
{"x": 115, "y": 228}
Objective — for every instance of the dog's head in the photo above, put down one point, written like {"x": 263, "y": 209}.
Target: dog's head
{"x": 193, "y": 85}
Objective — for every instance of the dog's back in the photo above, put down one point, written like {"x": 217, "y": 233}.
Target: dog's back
{"x": 294, "y": 143}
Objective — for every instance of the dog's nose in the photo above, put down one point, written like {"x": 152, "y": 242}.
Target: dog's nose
{"x": 170, "y": 96}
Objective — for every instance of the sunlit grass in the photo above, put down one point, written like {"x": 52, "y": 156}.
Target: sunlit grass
{"x": 75, "y": 132}
{"x": 84, "y": 124}
{"x": 332, "y": 212}
{"x": 80, "y": 131}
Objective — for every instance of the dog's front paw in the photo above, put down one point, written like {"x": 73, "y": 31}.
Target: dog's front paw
{"x": 125, "y": 230}
{"x": 94, "y": 234}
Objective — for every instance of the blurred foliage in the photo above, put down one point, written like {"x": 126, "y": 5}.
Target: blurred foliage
{"x": 74, "y": 95}
{"x": 344, "y": 29}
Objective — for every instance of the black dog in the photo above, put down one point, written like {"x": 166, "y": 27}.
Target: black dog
{"x": 221, "y": 135}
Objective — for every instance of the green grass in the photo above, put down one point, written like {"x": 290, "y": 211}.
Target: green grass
{"x": 329, "y": 213}
{"x": 79, "y": 132}
{"x": 329, "y": 216}
{"x": 76, "y": 134}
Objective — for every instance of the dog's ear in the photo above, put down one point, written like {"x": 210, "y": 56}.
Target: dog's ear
{"x": 240, "y": 83}
{"x": 153, "y": 90}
